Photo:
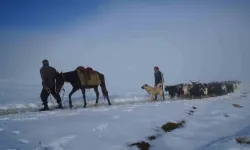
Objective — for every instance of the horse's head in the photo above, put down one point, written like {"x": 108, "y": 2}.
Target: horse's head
{"x": 59, "y": 81}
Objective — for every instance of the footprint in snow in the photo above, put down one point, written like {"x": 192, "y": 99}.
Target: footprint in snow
{"x": 4, "y": 119}
{"x": 216, "y": 112}
{"x": 101, "y": 127}
{"x": 16, "y": 132}
{"x": 59, "y": 144}
{"x": 234, "y": 149}
{"x": 23, "y": 141}
{"x": 24, "y": 119}
{"x": 101, "y": 109}
{"x": 50, "y": 112}
{"x": 128, "y": 110}
{"x": 115, "y": 117}
{"x": 155, "y": 104}
{"x": 67, "y": 114}
{"x": 188, "y": 105}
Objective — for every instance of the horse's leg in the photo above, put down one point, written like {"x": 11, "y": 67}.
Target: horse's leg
{"x": 97, "y": 94}
{"x": 84, "y": 97}
{"x": 103, "y": 87}
{"x": 105, "y": 93}
{"x": 70, "y": 94}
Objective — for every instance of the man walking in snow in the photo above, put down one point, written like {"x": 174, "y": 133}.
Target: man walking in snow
{"x": 159, "y": 80}
{"x": 48, "y": 75}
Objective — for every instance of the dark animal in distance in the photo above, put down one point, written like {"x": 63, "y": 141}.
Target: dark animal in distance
{"x": 173, "y": 91}
{"x": 200, "y": 90}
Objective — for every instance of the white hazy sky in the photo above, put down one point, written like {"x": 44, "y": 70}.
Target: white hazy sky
{"x": 194, "y": 40}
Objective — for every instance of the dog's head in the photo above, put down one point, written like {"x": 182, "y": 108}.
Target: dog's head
{"x": 144, "y": 86}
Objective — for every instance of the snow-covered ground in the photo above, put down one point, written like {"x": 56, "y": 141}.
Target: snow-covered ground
{"x": 214, "y": 125}
{"x": 18, "y": 96}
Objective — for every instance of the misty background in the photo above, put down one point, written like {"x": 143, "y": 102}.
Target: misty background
{"x": 188, "y": 40}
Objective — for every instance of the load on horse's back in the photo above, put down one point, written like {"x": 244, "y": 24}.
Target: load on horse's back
{"x": 88, "y": 76}
{"x": 90, "y": 72}
{"x": 81, "y": 68}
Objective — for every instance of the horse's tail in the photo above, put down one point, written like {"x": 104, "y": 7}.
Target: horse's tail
{"x": 103, "y": 85}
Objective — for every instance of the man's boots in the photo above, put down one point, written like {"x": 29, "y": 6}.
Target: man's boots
{"x": 60, "y": 106}
{"x": 45, "y": 108}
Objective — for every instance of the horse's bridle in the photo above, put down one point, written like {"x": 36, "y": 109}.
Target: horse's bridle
{"x": 61, "y": 87}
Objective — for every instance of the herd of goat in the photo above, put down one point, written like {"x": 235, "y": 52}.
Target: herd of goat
{"x": 202, "y": 90}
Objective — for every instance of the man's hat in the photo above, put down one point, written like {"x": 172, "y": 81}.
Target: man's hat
{"x": 45, "y": 62}
{"x": 157, "y": 68}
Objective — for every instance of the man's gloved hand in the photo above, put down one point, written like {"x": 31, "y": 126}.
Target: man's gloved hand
{"x": 47, "y": 89}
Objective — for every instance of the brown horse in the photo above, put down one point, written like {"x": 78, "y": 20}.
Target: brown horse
{"x": 73, "y": 78}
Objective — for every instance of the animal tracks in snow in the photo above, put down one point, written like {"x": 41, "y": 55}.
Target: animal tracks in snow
{"x": 191, "y": 112}
{"x": 130, "y": 108}
{"x": 155, "y": 104}
{"x": 16, "y": 132}
{"x": 101, "y": 109}
{"x": 4, "y": 119}
{"x": 101, "y": 127}
{"x": 23, "y": 141}
{"x": 24, "y": 119}
{"x": 115, "y": 117}
{"x": 59, "y": 144}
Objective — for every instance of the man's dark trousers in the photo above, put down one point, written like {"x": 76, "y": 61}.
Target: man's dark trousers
{"x": 44, "y": 96}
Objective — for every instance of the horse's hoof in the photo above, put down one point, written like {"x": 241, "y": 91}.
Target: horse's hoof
{"x": 96, "y": 104}
{"x": 110, "y": 104}
{"x": 84, "y": 106}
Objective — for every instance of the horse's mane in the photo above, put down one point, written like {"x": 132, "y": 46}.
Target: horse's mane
{"x": 70, "y": 75}
{"x": 69, "y": 72}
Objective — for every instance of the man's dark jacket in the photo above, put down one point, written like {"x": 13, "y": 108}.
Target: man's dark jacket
{"x": 48, "y": 75}
{"x": 158, "y": 77}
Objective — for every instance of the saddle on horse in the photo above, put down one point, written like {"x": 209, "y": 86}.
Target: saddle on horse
{"x": 88, "y": 76}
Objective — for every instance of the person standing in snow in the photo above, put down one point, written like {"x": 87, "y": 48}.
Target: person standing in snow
{"x": 159, "y": 80}
{"x": 48, "y": 75}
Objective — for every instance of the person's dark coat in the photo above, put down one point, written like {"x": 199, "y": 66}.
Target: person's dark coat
{"x": 48, "y": 75}
{"x": 158, "y": 77}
